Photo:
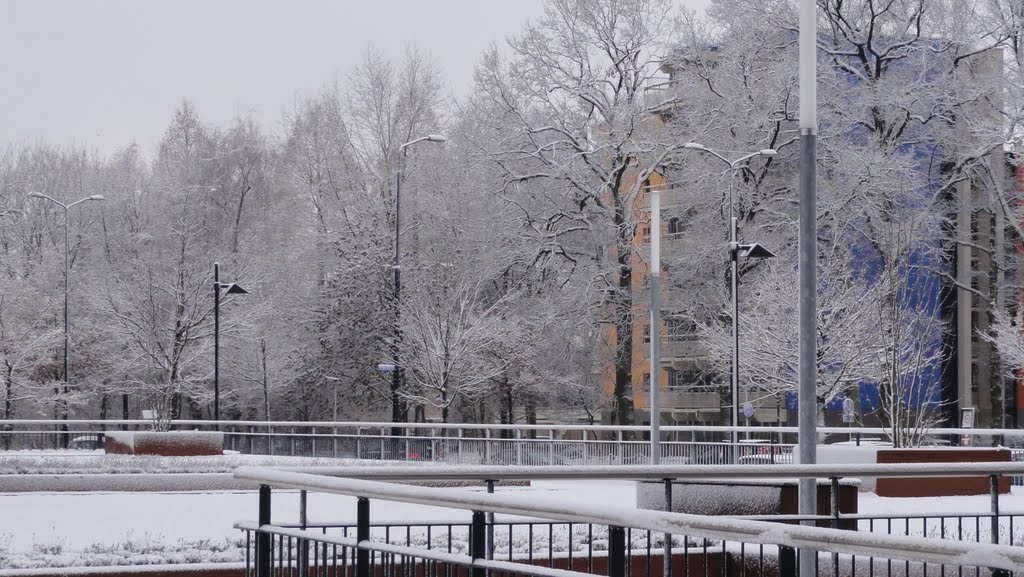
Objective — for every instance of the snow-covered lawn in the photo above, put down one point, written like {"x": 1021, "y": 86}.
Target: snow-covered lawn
{"x": 109, "y": 528}
{"x": 61, "y": 526}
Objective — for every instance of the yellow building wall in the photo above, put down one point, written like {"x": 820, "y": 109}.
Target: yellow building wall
{"x": 641, "y": 310}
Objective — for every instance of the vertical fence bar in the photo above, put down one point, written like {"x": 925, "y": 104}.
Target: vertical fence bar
{"x": 263, "y": 544}
{"x": 490, "y": 525}
{"x": 787, "y": 562}
{"x": 616, "y": 552}
{"x": 667, "y": 569}
{"x": 478, "y": 542}
{"x": 995, "y": 508}
{"x": 487, "y": 447}
{"x": 834, "y": 501}
{"x": 362, "y": 534}
{"x": 303, "y": 545}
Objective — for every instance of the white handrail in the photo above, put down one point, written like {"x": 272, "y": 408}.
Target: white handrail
{"x": 654, "y": 472}
{"x": 387, "y": 426}
{"x": 915, "y": 549}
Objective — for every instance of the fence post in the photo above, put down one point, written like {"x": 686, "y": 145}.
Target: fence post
{"x": 304, "y": 543}
{"x": 478, "y": 542}
{"x": 362, "y": 534}
{"x": 586, "y": 450}
{"x": 834, "y": 498}
{"x": 787, "y": 561}
{"x": 518, "y": 436}
{"x": 490, "y": 524}
{"x": 263, "y": 543}
{"x": 618, "y": 446}
{"x": 551, "y": 447}
{"x": 667, "y": 570}
{"x": 616, "y": 552}
{"x": 995, "y": 509}
{"x": 487, "y": 447}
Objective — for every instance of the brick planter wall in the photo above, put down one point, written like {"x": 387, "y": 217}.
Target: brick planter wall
{"x": 940, "y": 486}
{"x": 166, "y": 443}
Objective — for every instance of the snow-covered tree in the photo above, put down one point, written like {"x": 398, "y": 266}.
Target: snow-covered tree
{"x": 570, "y": 102}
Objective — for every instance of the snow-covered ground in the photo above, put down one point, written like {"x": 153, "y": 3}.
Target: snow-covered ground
{"x": 103, "y": 528}
{"x": 64, "y": 525}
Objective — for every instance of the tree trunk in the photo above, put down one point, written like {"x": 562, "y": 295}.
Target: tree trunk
{"x": 266, "y": 380}
{"x": 9, "y": 392}
{"x": 623, "y": 307}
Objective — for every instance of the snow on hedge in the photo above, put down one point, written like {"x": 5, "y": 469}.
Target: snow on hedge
{"x": 22, "y": 463}
{"x": 132, "y": 549}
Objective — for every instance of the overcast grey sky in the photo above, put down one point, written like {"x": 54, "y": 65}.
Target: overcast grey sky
{"x": 107, "y": 73}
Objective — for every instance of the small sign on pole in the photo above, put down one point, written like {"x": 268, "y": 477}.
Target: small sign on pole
{"x": 967, "y": 422}
{"x": 748, "y": 410}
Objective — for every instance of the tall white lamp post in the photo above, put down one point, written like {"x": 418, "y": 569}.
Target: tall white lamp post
{"x": 808, "y": 235}
{"x": 655, "y": 331}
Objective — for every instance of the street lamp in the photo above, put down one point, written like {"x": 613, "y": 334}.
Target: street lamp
{"x": 655, "y": 330}
{"x": 397, "y": 373}
{"x": 66, "y": 207}
{"x": 231, "y": 289}
{"x": 736, "y": 250}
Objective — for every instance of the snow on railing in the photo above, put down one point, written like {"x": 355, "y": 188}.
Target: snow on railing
{"x": 895, "y": 547}
{"x": 385, "y": 426}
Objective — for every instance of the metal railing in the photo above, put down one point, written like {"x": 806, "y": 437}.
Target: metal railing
{"x": 485, "y": 444}
{"x": 550, "y": 538}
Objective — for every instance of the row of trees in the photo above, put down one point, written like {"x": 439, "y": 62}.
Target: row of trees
{"x": 520, "y": 234}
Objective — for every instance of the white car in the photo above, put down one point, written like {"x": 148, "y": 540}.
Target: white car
{"x": 89, "y": 442}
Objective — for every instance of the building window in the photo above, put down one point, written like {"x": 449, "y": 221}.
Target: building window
{"x": 678, "y": 224}
{"x": 674, "y": 379}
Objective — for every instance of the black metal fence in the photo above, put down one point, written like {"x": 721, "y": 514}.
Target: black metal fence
{"x": 894, "y": 545}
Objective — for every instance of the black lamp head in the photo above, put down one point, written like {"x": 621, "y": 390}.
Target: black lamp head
{"x": 755, "y": 251}
{"x": 233, "y": 289}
